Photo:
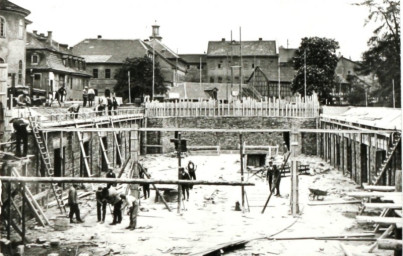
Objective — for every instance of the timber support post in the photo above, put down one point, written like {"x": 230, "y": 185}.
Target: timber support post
{"x": 294, "y": 173}
{"x": 242, "y": 155}
{"x": 179, "y": 172}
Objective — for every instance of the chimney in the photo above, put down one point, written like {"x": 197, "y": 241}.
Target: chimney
{"x": 222, "y": 39}
{"x": 99, "y": 37}
{"x": 35, "y": 32}
{"x": 260, "y": 39}
{"x": 156, "y": 33}
{"x": 49, "y": 39}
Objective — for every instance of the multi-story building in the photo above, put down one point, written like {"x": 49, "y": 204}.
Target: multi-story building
{"x": 104, "y": 57}
{"x": 196, "y": 67}
{"x": 13, "y": 24}
{"x": 51, "y": 65}
{"x": 224, "y": 59}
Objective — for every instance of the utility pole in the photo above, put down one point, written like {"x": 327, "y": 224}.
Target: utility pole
{"x": 241, "y": 153}
{"x": 240, "y": 68}
{"x": 393, "y": 93}
{"x": 152, "y": 93}
{"x": 128, "y": 81}
{"x": 304, "y": 74}
{"x": 279, "y": 79}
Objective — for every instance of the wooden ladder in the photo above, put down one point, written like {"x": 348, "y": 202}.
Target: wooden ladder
{"x": 396, "y": 139}
{"x": 33, "y": 204}
{"x": 57, "y": 190}
{"x": 115, "y": 137}
{"x": 84, "y": 155}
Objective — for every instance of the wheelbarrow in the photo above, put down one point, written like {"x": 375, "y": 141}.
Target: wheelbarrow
{"x": 317, "y": 193}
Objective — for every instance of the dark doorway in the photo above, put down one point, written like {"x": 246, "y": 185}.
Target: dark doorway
{"x": 107, "y": 93}
{"x": 58, "y": 163}
{"x": 256, "y": 160}
{"x": 118, "y": 148}
{"x": 337, "y": 151}
{"x": 104, "y": 163}
{"x": 286, "y": 138}
{"x": 364, "y": 165}
{"x": 380, "y": 157}
{"x": 349, "y": 158}
{"x": 83, "y": 171}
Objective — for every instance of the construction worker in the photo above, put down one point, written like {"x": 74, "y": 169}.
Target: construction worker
{"x": 115, "y": 104}
{"x": 112, "y": 175}
{"x": 91, "y": 96}
{"x": 75, "y": 108}
{"x": 112, "y": 197}
{"x": 133, "y": 205}
{"x": 270, "y": 171}
{"x": 62, "y": 94}
{"x": 85, "y": 96}
{"x": 73, "y": 203}
{"x": 99, "y": 109}
{"x": 101, "y": 205}
{"x": 21, "y": 135}
{"x": 146, "y": 187}
{"x": 192, "y": 171}
{"x": 110, "y": 105}
{"x": 185, "y": 188}
{"x": 277, "y": 179}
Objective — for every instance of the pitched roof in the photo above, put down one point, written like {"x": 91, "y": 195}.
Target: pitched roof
{"x": 378, "y": 117}
{"x": 35, "y": 41}
{"x": 109, "y": 50}
{"x": 287, "y": 74}
{"x": 9, "y": 6}
{"x": 249, "y": 48}
{"x": 286, "y": 54}
{"x": 171, "y": 62}
{"x": 162, "y": 49}
{"x": 193, "y": 58}
{"x": 197, "y": 91}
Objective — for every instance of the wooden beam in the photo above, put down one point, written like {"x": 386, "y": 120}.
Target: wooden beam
{"x": 380, "y": 220}
{"x": 121, "y": 180}
{"x": 390, "y": 244}
{"x": 379, "y": 188}
{"x": 382, "y": 206}
{"x": 385, "y": 234}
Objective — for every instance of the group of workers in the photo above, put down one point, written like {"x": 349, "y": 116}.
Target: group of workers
{"x": 112, "y": 105}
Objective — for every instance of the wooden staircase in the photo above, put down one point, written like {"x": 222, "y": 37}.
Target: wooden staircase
{"x": 57, "y": 190}
{"x": 396, "y": 137}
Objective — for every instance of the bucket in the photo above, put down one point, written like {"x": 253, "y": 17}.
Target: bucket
{"x": 61, "y": 224}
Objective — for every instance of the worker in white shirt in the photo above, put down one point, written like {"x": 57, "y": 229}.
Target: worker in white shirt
{"x": 133, "y": 205}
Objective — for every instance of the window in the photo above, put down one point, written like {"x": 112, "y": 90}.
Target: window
{"x": 220, "y": 79}
{"x": 107, "y": 73}
{"x": 219, "y": 65}
{"x": 95, "y": 73}
{"x": 2, "y": 27}
{"x": 253, "y": 65}
{"x": 20, "y": 72}
{"x": 211, "y": 79}
{"x": 34, "y": 59}
{"x": 2, "y": 61}
{"x": 37, "y": 77}
{"x": 21, "y": 29}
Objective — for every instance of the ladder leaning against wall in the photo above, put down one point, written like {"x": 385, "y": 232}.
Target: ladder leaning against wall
{"x": 43, "y": 150}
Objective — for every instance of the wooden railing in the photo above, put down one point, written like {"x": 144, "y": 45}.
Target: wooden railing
{"x": 297, "y": 107}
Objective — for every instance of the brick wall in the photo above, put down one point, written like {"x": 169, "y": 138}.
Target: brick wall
{"x": 228, "y": 141}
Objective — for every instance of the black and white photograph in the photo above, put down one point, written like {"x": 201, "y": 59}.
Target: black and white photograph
{"x": 200, "y": 127}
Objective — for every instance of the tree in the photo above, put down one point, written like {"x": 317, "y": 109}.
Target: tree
{"x": 383, "y": 56}
{"x": 321, "y": 62}
{"x": 141, "y": 76}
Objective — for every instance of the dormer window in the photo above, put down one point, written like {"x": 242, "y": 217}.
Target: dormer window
{"x": 2, "y": 27}
{"x": 34, "y": 59}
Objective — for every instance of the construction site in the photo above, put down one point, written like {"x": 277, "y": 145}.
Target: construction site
{"x": 340, "y": 170}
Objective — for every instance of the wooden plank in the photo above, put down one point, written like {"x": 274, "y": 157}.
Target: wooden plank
{"x": 361, "y": 194}
{"x": 380, "y": 220}
{"x": 335, "y": 202}
{"x": 390, "y": 244}
{"x": 379, "y": 188}
{"x": 385, "y": 234}
{"x": 382, "y": 205}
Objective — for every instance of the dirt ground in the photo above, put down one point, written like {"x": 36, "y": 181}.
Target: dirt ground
{"x": 209, "y": 218}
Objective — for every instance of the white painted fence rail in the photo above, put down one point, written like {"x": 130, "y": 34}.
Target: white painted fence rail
{"x": 297, "y": 107}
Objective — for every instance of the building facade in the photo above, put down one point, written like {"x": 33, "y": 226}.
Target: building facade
{"x": 51, "y": 65}
{"x": 196, "y": 67}
{"x": 13, "y": 24}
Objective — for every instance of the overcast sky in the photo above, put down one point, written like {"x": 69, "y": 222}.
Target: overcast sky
{"x": 187, "y": 25}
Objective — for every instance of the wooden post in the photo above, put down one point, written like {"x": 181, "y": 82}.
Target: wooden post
{"x": 9, "y": 210}
{"x": 241, "y": 154}
{"x": 294, "y": 173}
{"x": 22, "y": 212}
{"x": 134, "y": 152}
{"x": 179, "y": 166}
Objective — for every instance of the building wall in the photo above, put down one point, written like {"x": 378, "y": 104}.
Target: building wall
{"x": 193, "y": 73}
{"x": 268, "y": 64}
{"x": 12, "y": 47}
{"x": 229, "y": 141}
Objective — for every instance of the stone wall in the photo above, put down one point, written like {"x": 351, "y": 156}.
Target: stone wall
{"x": 229, "y": 141}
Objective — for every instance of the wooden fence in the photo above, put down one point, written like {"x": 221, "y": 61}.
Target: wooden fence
{"x": 296, "y": 107}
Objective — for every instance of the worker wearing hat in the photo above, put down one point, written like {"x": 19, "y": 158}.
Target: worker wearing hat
{"x": 112, "y": 175}
{"x": 101, "y": 205}
{"x": 270, "y": 171}
{"x": 133, "y": 205}
{"x": 85, "y": 96}
{"x": 21, "y": 135}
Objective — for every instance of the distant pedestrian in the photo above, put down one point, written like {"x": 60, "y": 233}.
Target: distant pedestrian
{"x": 91, "y": 97}
{"x": 21, "y": 135}
{"x": 85, "y": 96}
{"x": 112, "y": 175}
{"x": 277, "y": 179}
{"x": 146, "y": 187}
{"x": 57, "y": 97}
{"x": 73, "y": 203}
{"x": 133, "y": 206}
{"x": 192, "y": 171}
{"x": 62, "y": 94}
{"x": 100, "y": 109}
{"x": 110, "y": 105}
{"x": 101, "y": 205}
{"x": 115, "y": 104}
{"x": 74, "y": 109}
{"x": 270, "y": 172}
{"x": 185, "y": 188}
